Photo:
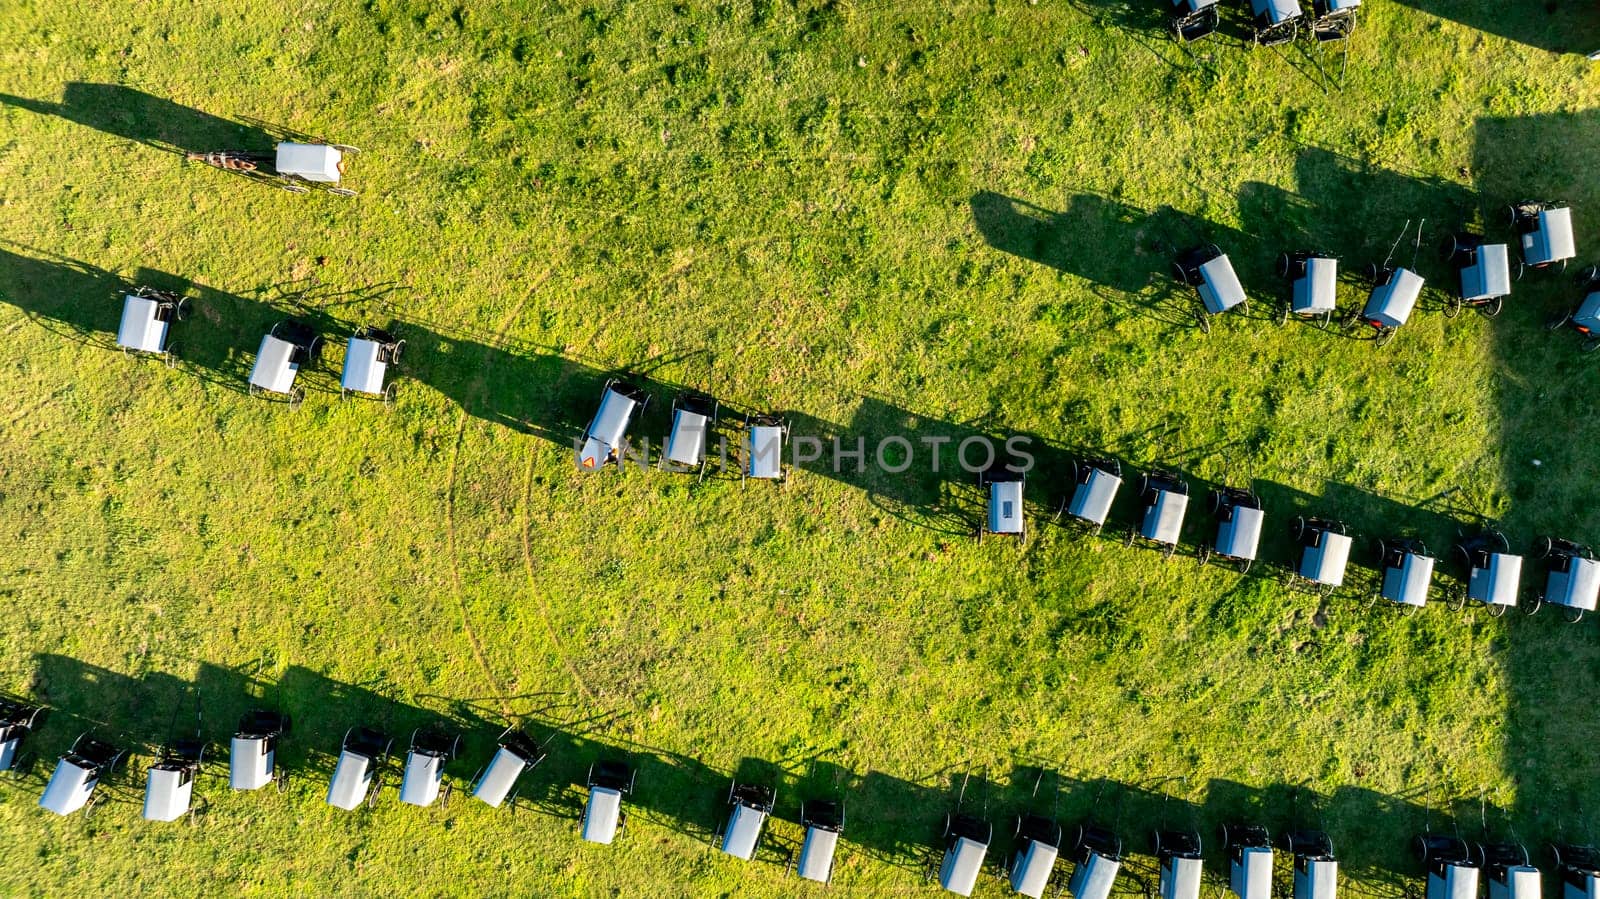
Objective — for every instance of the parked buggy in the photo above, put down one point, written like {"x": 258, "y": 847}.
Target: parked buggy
{"x": 765, "y": 436}
{"x": 1239, "y": 517}
{"x": 1095, "y": 485}
{"x": 823, "y": 820}
{"x": 1544, "y": 232}
{"x": 1033, "y": 861}
{"x": 72, "y": 784}
{"x": 1394, "y": 295}
{"x": 358, "y": 776}
{"x": 1452, "y": 872}
{"x": 169, "y": 783}
{"x": 1324, "y": 553}
{"x": 1510, "y": 872}
{"x": 1585, "y": 317}
{"x": 252, "y": 754}
{"x": 604, "y": 440}
{"x": 1483, "y": 270}
{"x": 1207, "y": 269}
{"x": 1004, "y": 513}
{"x": 517, "y": 753}
{"x": 367, "y": 358}
{"x": 1191, "y": 20}
{"x": 1249, "y": 860}
{"x": 1407, "y": 572}
{"x": 1333, "y": 20}
{"x": 294, "y": 166}
{"x": 1316, "y": 870}
{"x": 287, "y": 348}
{"x": 1096, "y": 859}
{"x": 1313, "y": 278}
{"x": 1163, "y": 500}
{"x": 693, "y": 417}
{"x": 1177, "y": 853}
{"x": 610, "y": 782}
{"x": 1493, "y": 572}
{"x": 966, "y": 842}
{"x": 423, "y": 781}
{"x": 749, "y": 806}
{"x": 1275, "y": 21}
{"x": 147, "y": 318}
{"x": 1572, "y": 577}
{"x": 18, "y": 719}
{"x": 1579, "y": 869}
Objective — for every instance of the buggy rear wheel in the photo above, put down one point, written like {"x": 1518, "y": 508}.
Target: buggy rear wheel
{"x": 182, "y": 310}
{"x": 296, "y": 397}
{"x": 1283, "y": 315}
{"x": 388, "y": 395}
{"x": 1452, "y": 307}
{"x": 341, "y": 191}
{"x": 1493, "y": 307}
{"x": 1532, "y": 608}
{"x": 394, "y": 352}
{"x": 1205, "y": 322}
{"x": 1589, "y": 345}
{"x": 1589, "y": 274}
{"x": 1283, "y": 265}
{"x": 170, "y": 357}
{"x": 1574, "y": 616}
{"x": 1458, "y": 603}
{"x": 345, "y": 148}
{"x": 1384, "y": 336}
{"x": 293, "y": 188}
{"x": 1449, "y": 248}
{"x": 1496, "y": 610}
{"x": 1203, "y": 554}
{"x": 1543, "y": 547}
{"x": 1555, "y": 323}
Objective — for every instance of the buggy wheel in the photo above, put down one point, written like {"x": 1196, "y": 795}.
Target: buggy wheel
{"x": 1493, "y": 307}
{"x": 1449, "y": 248}
{"x": 1179, "y": 275}
{"x": 1283, "y": 265}
{"x": 1452, "y": 307}
{"x": 1171, "y": 550}
{"x": 1574, "y": 616}
{"x": 296, "y": 397}
{"x": 282, "y": 780}
{"x": 345, "y": 148}
{"x": 182, "y": 310}
{"x": 313, "y": 349}
{"x": 394, "y": 352}
{"x": 1384, "y": 336}
{"x": 1532, "y": 608}
{"x": 1495, "y": 610}
{"x": 1458, "y": 603}
{"x": 1244, "y": 566}
{"x": 388, "y": 395}
{"x": 1132, "y": 534}
{"x": 1205, "y": 322}
{"x": 1555, "y": 322}
{"x": 341, "y": 191}
{"x": 377, "y": 788}
{"x": 1371, "y": 272}
{"x": 1283, "y": 315}
{"x": 1590, "y": 345}
{"x": 1203, "y": 554}
{"x": 1543, "y": 547}
{"x": 295, "y": 188}
{"x": 1588, "y": 275}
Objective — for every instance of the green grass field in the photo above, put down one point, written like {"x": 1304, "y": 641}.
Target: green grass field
{"x": 916, "y": 218}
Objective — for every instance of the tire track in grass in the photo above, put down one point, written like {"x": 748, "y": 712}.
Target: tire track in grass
{"x": 540, "y": 606}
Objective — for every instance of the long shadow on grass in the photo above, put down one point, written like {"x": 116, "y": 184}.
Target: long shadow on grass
{"x": 154, "y": 121}
{"x": 1125, "y": 252}
{"x": 1547, "y": 435}
{"x": 1560, "y": 26}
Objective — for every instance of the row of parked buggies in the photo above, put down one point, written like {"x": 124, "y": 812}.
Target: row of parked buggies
{"x": 1484, "y": 273}
{"x": 1489, "y": 571}
{"x": 1453, "y": 868}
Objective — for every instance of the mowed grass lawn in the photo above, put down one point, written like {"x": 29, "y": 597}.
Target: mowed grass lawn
{"x": 928, "y": 218}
